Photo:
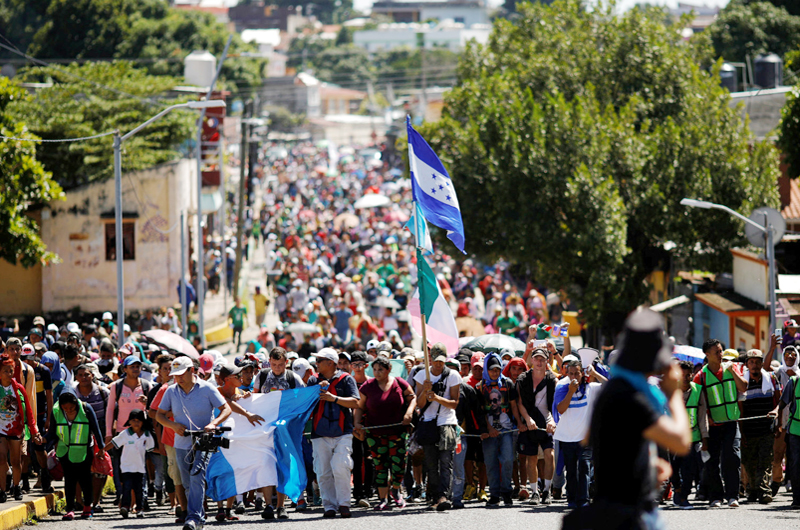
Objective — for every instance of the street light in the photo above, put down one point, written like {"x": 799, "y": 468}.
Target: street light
{"x": 769, "y": 249}
{"x": 207, "y": 104}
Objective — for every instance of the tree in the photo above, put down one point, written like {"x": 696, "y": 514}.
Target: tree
{"x": 789, "y": 132}
{"x": 24, "y": 183}
{"x": 79, "y": 105}
{"x": 752, "y": 29}
{"x": 158, "y": 37}
{"x": 792, "y": 6}
{"x": 571, "y": 137}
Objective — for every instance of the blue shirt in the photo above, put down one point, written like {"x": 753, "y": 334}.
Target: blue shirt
{"x": 194, "y": 410}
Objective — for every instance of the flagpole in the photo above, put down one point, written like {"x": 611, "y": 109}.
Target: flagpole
{"x": 420, "y": 257}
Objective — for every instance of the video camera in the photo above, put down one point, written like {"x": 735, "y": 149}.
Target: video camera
{"x": 209, "y": 441}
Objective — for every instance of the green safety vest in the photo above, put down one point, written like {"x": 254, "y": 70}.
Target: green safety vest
{"x": 721, "y": 397}
{"x": 794, "y": 421}
{"x": 691, "y": 408}
{"x": 72, "y": 438}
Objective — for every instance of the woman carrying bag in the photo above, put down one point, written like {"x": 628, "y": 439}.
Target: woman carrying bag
{"x": 74, "y": 432}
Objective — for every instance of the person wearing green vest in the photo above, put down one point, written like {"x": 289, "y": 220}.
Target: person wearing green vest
{"x": 791, "y": 399}
{"x": 718, "y": 412}
{"x": 686, "y": 469}
{"x": 74, "y": 432}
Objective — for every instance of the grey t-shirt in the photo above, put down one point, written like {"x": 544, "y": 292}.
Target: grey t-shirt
{"x": 194, "y": 410}
{"x": 272, "y": 382}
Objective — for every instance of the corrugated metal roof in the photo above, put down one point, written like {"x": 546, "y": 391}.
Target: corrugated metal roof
{"x": 792, "y": 211}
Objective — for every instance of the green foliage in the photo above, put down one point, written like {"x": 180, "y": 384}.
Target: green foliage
{"x": 281, "y": 120}
{"x": 150, "y": 32}
{"x": 789, "y": 132}
{"x": 792, "y": 6}
{"x": 753, "y": 28}
{"x": 326, "y": 11}
{"x": 347, "y": 65}
{"x": 23, "y": 183}
{"x": 571, "y": 138}
{"x": 75, "y": 106}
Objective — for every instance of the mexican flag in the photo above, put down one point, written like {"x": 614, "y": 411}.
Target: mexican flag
{"x": 428, "y": 300}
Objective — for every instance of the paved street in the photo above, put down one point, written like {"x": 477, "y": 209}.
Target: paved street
{"x": 473, "y": 517}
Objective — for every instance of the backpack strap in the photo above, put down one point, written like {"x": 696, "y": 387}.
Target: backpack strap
{"x": 321, "y": 405}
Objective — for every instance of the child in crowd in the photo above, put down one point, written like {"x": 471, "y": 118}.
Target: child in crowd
{"x": 135, "y": 442}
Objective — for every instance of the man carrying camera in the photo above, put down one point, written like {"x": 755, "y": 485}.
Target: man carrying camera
{"x": 192, "y": 402}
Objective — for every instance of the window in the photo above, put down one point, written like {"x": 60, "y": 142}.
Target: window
{"x": 128, "y": 241}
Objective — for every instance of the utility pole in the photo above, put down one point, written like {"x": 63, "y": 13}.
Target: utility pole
{"x": 242, "y": 188}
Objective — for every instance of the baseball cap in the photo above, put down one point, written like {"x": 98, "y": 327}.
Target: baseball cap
{"x": 730, "y": 354}
{"x": 384, "y": 346}
{"x": 372, "y": 345}
{"x": 291, "y": 355}
{"x": 358, "y": 356}
{"x": 570, "y": 358}
{"x": 206, "y": 362}
{"x": 36, "y": 331}
{"x": 791, "y": 323}
{"x": 180, "y": 365}
{"x": 506, "y": 351}
{"x": 453, "y": 363}
{"x": 73, "y": 327}
{"x": 130, "y": 359}
{"x": 539, "y": 352}
{"x": 228, "y": 370}
{"x": 438, "y": 350}
{"x": 477, "y": 358}
{"x": 40, "y": 347}
{"x": 52, "y": 327}
{"x": 329, "y": 354}
{"x": 107, "y": 316}
{"x": 300, "y": 367}
{"x": 38, "y": 321}
{"x": 28, "y": 350}
{"x": 755, "y": 354}
{"x": 344, "y": 355}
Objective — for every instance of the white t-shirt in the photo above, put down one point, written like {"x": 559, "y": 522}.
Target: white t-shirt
{"x": 574, "y": 423}
{"x": 134, "y": 448}
{"x": 446, "y": 416}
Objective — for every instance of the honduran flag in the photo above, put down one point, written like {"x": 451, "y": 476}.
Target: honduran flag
{"x": 429, "y": 300}
{"x": 267, "y": 454}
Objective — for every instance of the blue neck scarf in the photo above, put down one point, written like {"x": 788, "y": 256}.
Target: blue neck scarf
{"x": 639, "y": 382}
{"x": 487, "y": 380}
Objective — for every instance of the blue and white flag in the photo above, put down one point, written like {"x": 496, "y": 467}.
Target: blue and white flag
{"x": 433, "y": 190}
{"x": 419, "y": 228}
{"x": 269, "y": 454}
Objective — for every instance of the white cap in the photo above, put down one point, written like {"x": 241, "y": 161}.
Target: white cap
{"x": 372, "y": 345}
{"x": 107, "y": 315}
{"x": 300, "y": 367}
{"x": 73, "y": 327}
{"x": 52, "y": 327}
{"x": 180, "y": 365}
{"x": 292, "y": 355}
{"x": 329, "y": 354}
{"x": 507, "y": 351}
{"x": 126, "y": 328}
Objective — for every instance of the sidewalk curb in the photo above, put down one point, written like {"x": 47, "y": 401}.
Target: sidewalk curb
{"x": 16, "y": 516}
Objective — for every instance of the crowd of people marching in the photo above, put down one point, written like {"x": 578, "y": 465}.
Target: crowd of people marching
{"x": 393, "y": 427}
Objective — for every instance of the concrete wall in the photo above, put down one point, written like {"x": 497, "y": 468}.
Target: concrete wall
{"x": 750, "y": 278}
{"x": 717, "y": 322}
{"x": 21, "y": 290}
{"x": 460, "y": 14}
{"x": 743, "y": 338}
{"x": 75, "y": 230}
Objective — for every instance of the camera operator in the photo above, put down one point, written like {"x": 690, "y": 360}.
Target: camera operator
{"x": 192, "y": 402}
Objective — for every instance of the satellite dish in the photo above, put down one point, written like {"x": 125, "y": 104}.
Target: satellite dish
{"x": 774, "y": 218}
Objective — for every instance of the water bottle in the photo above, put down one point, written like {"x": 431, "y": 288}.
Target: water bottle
{"x": 565, "y": 329}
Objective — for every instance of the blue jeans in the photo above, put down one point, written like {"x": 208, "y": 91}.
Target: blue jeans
{"x": 159, "y": 465}
{"x": 193, "y": 476}
{"x": 577, "y": 461}
{"x": 458, "y": 471}
{"x": 724, "y": 445}
{"x": 498, "y": 455}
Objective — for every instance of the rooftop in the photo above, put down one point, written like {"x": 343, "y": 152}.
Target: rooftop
{"x": 729, "y": 302}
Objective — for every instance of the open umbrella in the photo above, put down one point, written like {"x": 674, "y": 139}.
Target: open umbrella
{"x": 496, "y": 342}
{"x": 301, "y": 327}
{"x": 688, "y": 353}
{"x": 171, "y": 341}
{"x": 385, "y": 301}
{"x": 345, "y": 220}
{"x": 372, "y": 200}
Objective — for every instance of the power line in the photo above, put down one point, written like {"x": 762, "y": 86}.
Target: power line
{"x": 60, "y": 140}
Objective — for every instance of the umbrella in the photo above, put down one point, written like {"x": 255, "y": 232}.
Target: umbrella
{"x": 171, "y": 341}
{"x": 372, "y": 200}
{"x": 688, "y": 353}
{"x": 471, "y": 326}
{"x": 301, "y": 327}
{"x": 464, "y": 340}
{"x": 345, "y": 220}
{"x": 496, "y": 342}
{"x": 385, "y": 301}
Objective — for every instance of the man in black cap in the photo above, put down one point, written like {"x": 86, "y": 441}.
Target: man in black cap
{"x": 631, "y": 420}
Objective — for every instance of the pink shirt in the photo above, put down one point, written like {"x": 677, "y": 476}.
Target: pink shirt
{"x": 128, "y": 401}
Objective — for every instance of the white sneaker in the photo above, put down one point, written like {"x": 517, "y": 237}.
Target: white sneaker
{"x": 715, "y": 504}
{"x": 363, "y": 503}
{"x": 733, "y": 503}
